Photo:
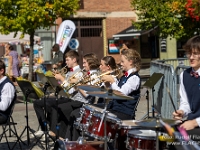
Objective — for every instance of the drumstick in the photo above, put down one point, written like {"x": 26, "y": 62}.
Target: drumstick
{"x": 171, "y": 98}
{"x": 102, "y": 120}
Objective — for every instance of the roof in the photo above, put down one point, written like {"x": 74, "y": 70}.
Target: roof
{"x": 10, "y": 38}
{"x": 131, "y": 32}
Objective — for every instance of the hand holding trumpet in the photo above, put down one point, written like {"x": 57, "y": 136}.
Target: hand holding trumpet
{"x": 108, "y": 78}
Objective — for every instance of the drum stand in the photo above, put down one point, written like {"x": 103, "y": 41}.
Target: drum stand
{"x": 105, "y": 112}
{"x": 58, "y": 124}
{"x": 45, "y": 113}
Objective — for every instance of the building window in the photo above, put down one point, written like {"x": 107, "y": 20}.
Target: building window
{"x": 91, "y": 22}
{"x": 91, "y": 32}
{"x": 88, "y": 27}
{"x": 81, "y": 4}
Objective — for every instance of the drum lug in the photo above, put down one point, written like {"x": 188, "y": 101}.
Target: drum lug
{"x": 139, "y": 143}
{"x": 94, "y": 129}
{"x": 108, "y": 137}
{"x": 116, "y": 135}
{"x": 127, "y": 143}
{"x": 112, "y": 126}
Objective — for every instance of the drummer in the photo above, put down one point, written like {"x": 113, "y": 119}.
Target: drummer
{"x": 91, "y": 65}
{"x": 107, "y": 64}
{"x": 189, "y": 90}
{"x": 129, "y": 84}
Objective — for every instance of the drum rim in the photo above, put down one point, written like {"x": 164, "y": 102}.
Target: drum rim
{"x": 141, "y": 136}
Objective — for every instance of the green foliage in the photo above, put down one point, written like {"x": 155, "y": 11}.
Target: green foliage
{"x": 29, "y": 15}
{"x": 170, "y": 16}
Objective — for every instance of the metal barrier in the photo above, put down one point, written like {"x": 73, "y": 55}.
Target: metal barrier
{"x": 175, "y": 62}
{"x": 171, "y": 76}
{"x": 161, "y": 97}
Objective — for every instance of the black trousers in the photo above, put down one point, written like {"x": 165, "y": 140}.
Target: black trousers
{"x": 39, "y": 109}
{"x": 73, "y": 133}
{"x": 3, "y": 119}
{"x": 62, "y": 115}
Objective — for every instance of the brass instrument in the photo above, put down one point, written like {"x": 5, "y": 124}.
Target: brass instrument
{"x": 83, "y": 80}
{"x": 115, "y": 73}
{"x": 71, "y": 85}
{"x": 62, "y": 71}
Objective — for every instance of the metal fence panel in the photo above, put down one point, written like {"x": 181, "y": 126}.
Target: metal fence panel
{"x": 160, "y": 94}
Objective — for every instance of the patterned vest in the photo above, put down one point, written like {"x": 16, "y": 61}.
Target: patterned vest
{"x": 126, "y": 106}
{"x": 192, "y": 87}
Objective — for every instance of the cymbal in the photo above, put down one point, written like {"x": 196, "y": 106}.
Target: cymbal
{"x": 154, "y": 123}
{"x": 91, "y": 88}
{"x": 110, "y": 94}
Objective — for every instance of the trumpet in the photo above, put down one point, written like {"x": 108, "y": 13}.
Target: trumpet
{"x": 71, "y": 85}
{"x": 115, "y": 73}
{"x": 83, "y": 80}
{"x": 62, "y": 71}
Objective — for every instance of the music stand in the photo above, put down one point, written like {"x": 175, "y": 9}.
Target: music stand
{"x": 150, "y": 83}
{"x": 44, "y": 80}
{"x": 58, "y": 90}
{"x": 46, "y": 84}
{"x": 30, "y": 92}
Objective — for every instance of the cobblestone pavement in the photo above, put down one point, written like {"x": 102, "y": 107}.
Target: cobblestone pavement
{"x": 19, "y": 117}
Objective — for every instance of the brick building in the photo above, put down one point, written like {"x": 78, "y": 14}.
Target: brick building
{"x": 98, "y": 20}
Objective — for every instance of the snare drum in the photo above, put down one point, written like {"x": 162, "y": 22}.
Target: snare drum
{"x": 96, "y": 126}
{"x": 126, "y": 126}
{"x": 86, "y": 113}
{"x": 73, "y": 145}
{"x": 143, "y": 140}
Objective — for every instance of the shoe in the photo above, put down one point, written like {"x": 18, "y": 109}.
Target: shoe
{"x": 43, "y": 138}
{"x": 38, "y": 133}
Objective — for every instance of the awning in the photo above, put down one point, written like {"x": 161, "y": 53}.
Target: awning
{"x": 10, "y": 38}
{"x": 131, "y": 33}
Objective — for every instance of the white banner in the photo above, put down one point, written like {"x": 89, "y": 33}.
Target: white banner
{"x": 65, "y": 33}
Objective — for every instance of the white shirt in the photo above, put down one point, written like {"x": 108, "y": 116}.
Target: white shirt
{"x": 7, "y": 95}
{"x": 184, "y": 104}
{"x": 132, "y": 84}
{"x": 76, "y": 73}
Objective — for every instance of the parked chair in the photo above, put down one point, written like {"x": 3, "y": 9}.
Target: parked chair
{"x": 7, "y": 126}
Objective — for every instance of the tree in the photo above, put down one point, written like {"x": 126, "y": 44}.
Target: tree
{"x": 29, "y": 15}
{"x": 173, "y": 17}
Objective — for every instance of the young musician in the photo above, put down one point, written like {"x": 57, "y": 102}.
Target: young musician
{"x": 129, "y": 84}
{"x": 72, "y": 59}
{"x": 7, "y": 94}
{"x": 107, "y": 65}
{"x": 189, "y": 90}
{"x": 90, "y": 65}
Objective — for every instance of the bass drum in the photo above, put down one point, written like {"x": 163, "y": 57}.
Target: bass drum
{"x": 73, "y": 145}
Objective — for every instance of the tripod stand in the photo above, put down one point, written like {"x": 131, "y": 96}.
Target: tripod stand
{"x": 150, "y": 83}
{"x": 30, "y": 92}
{"x": 58, "y": 90}
{"x": 45, "y": 113}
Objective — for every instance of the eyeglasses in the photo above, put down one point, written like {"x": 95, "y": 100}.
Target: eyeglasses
{"x": 194, "y": 55}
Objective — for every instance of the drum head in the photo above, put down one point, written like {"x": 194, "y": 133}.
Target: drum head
{"x": 129, "y": 124}
{"x": 92, "y": 108}
{"x": 144, "y": 134}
